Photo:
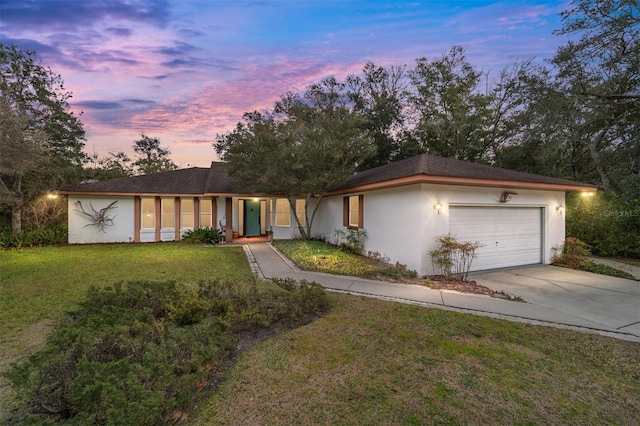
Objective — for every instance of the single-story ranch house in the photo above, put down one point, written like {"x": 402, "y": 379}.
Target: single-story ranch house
{"x": 403, "y": 206}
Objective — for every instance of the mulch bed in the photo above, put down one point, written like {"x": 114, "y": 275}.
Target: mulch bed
{"x": 463, "y": 286}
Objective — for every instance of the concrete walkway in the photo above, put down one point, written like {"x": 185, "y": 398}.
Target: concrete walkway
{"x": 266, "y": 262}
{"x": 631, "y": 269}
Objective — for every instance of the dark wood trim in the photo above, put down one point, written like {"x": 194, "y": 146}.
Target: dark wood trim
{"x": 177, "y": 220}
{"x": 345, "y": 211}
{"x": 228, "y": 211}
{"x": 137, "y": 218}
{"x": 158, "y": 217}
{"x": 196, "y": 212}
{"x": 214, "y": 213}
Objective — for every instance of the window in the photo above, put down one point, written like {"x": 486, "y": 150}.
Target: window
{"x": 353, "y": 216}
{"x": 205, "y": 214}
{"x": 186, "y": 211}
{"x": 168, "y": 213}
{"x": 148, "y": 213}
{"x": 300, "y": 212}
{"x": 283, "y": 212}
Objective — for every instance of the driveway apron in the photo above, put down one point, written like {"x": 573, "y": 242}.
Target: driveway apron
{"x": 605, "y": 302}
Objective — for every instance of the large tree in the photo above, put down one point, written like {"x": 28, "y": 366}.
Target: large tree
{"x": 452, "y": 114}
{"x": 42, "y": 140}
{"x": 115, "y": 165}
{"x": 379, "y": 96}
{"x": 599, "y": 75}
{"x": 305, "y": 146}
{"x": 152, "y": 157}
{"x": 22, "y": 151}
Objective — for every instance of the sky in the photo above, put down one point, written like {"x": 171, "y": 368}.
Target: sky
{"x": 185, "y": 71}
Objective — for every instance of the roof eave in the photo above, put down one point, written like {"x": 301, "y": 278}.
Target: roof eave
{"x": 462, "y": 181}
{"x": 131, "y": 194}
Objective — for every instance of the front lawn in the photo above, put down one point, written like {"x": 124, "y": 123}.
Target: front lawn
{"x": 376, "y": 362}
{"x": 155, "y": 334}
{"x": 39, "y": 284}
{"x": 365, "y": 362}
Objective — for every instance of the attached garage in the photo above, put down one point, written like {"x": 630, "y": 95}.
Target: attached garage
{"x": 510, "y": 236}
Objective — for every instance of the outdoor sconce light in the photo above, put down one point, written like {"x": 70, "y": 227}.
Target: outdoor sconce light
{"x": 587, "y": 193}
{"x": 438, "y": 206}
{"x": 560, "y": 208}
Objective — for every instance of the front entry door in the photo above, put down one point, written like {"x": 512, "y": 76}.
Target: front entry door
{"x": 252, "y": 217}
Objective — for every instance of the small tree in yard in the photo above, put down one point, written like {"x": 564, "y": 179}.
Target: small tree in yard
{"x": 454, "y": 257}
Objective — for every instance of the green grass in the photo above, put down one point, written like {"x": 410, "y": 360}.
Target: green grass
{"x": 40, "y": 284}
{"x": 376, "y": 362}
{"x": 322, "y": 257}
{"x": 366, "y": 362}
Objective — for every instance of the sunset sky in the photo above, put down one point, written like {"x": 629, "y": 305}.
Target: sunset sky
{"x": 186, "y": 70}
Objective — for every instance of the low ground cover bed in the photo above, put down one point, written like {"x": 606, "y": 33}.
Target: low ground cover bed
{"x": 576, "y": 254}
{"x": 465, "y": 286}
{"x": 144, "y": 352}
{"x": 38, "y": 285}
{"x": 323, "y": 257}
{"x": 314, "y": 255}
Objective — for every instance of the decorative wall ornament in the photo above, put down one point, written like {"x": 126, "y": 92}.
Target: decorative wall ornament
{"x": 507, "y": 196}
{"x": 98, "y": 218}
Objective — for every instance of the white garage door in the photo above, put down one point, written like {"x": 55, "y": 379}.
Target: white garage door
{"x": 511, "y": 236}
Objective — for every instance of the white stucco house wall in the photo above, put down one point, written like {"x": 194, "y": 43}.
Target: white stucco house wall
{"x": 403, "y": 206}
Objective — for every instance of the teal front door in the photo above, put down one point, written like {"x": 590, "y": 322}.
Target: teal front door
{"x": 252, "y": 217}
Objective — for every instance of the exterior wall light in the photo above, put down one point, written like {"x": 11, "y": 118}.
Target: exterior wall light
{"x": 587, "y": 193}
{"x": 438, "y": 206}
{"x": 560, "y": 208}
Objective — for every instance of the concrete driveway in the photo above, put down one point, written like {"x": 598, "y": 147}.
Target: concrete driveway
{"x": 573, "y": 298}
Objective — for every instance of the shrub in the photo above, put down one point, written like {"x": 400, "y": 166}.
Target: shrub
{"x": 571, "y": 254}
{"x": 353, "y": 240}
{"x": 138, "y": 353}
{"x": 453, "y": 257}
{"x": 398, "y": 271}
{"x": 610, "y": 224}
{"x": 51, "y": 235}
{"x": 575, "y": 254}
{"x": 203, "y": 236}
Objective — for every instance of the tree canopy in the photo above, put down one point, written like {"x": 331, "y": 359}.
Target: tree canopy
{"x": 575, "y": 116}
{"x": 152, "y": 158}
{"x": 41, "y": 139}
{"x": 301, "y": 148}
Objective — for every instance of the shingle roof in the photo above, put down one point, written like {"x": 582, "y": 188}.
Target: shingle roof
{"x": 183, "y": 181}
{"x": 216, "y": 180}
{"x": 431, "y": 165}
{"x": 219, "y": 181}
